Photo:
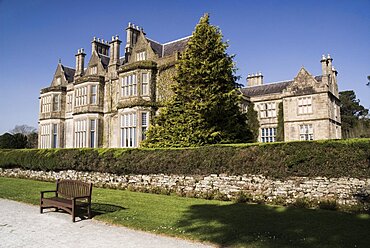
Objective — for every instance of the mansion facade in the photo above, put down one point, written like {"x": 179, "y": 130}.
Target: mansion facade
{"x": 111, "y": 101}
{"x": 311, "y": 106}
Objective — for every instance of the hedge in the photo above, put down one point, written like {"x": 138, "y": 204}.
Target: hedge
{"x": 332, "y": 158}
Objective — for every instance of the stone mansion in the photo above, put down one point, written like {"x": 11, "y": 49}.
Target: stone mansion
{"x": 112, "y": 101}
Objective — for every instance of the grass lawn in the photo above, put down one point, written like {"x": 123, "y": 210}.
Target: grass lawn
{"x": 217, "y": 222}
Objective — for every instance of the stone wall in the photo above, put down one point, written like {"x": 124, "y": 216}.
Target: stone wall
{"x": 345, "y": 191}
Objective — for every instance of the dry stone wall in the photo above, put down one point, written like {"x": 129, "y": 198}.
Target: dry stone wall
{"x": 345, "y": 191}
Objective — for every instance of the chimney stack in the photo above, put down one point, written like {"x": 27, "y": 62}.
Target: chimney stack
{"x": 132, "y": 32}
{"x": 80, "y": 62}
{"x": 114, "y": 50}
{"x": 326, "y": 65}
{"x": 255, "y": 79}
{"x": 100, "y": 46}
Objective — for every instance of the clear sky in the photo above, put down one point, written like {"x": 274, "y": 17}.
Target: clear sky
{"x": 274, "y": 37}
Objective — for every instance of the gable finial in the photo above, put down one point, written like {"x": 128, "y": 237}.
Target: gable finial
{"x": 59, "y": 61}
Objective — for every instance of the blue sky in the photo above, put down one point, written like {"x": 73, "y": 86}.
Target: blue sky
{"x": 274, "y": 37}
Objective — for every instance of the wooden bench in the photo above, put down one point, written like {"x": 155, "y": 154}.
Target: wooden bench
{"x": 70, "y": 195}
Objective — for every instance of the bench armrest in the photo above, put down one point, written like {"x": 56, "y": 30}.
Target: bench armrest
{"x": 82, "y": 197}
{"x": 47, "y": 191}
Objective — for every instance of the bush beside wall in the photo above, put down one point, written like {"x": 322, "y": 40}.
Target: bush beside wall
{"x": 349, "y": 158}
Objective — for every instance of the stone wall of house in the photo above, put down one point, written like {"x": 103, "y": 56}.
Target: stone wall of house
{"x": 346, "y": 191}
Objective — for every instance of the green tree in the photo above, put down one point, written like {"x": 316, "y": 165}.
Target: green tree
{"x": 280, "y": 125}
{"x": 205, "y": 106}
{"x": 353, "y": 115}
{"x": 252, "y": 121}
{"x": 10, "y": 141}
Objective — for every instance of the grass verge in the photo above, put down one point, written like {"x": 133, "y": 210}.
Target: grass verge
{"x": 217, "y": 222}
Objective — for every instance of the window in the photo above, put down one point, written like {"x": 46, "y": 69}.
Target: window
{"x": 55, "y": 136}
{"x": 304, "y": 105}
{"x": 69, "y": 102}
{"x": 129, "y": 85}
{"x": 80, "y": 134}
{"x": 145, "y": 84}
{"x": 268, "y": 134}
{"x": 59, "y": 80}
{"x": 92, "y": 133}
{"x": 94, "y": 70}
{"x": 144, "y": 124}
{"x": 306, "y": 132}
{"x": 128, "y": 130}
{"x": 55, "y": 102}
{"x": 141, "y": 56}
{"x": 93, "y": 94}
{"x": 81, "y": 96}
{"x": 267, "y": 110}
{"x": 45, "y": 136}
{"x": 46, "y": 104}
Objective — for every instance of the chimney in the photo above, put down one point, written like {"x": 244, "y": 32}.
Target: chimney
{"x": 100, "y": 46}
{"x": 255, "y": 79}
{"x": 80, "y": 61}
{"x": 132, "y": 32}
{"x": 323, "y": 65}
{"x": 329, "y": 64}
{"x": 114, "y": 50}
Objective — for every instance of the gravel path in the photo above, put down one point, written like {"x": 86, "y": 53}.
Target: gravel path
{"x": 22, "y": 225}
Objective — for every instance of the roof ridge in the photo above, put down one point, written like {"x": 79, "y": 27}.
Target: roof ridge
{"x": 278, "y": 82}
{"x": 68, "y": 67}
{"x": 154, "y": 41}
{"x": 167, "y": 43}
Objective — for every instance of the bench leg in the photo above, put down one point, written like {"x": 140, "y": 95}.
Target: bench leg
{"x": 73, "y": 210}
{"x": 41, "y": 208}
{"x": 89, "y": 211}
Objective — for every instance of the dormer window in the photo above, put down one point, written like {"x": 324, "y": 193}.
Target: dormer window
{"x": 94, "y": 70}
{"x": 59, "y": 81}
{"x": 141, "y": 56}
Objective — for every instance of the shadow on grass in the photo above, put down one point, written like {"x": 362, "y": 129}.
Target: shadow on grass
{"x": 245, "y": 225}
{"x": 102, "y": 208}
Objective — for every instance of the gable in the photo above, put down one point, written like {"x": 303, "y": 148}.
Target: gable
{"x": 59, "y": 77}
{"x": 304, "y": 83}
{"x": 96, "y": 62}
{"x": 143, "y": 45}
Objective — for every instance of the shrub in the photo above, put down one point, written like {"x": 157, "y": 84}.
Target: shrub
{"x": 242, "y": 197}
{"x": 328, "y": 204}
{"x": 349, "y": 158}
{"x": 302, "y": 203}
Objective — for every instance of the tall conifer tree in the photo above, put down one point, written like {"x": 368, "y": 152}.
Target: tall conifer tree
{"x": 205, "y": 107}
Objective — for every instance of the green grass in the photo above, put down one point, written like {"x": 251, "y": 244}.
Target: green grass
{"x": 220, "y": 223}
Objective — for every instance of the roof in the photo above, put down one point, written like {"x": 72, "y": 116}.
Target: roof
{"x": 168, "y": 48}
{"x": 104, "y": 60}
{"x": 266, "y": 89}
{"x": 175, "y": 46}
{"x": 270, "y": 88}
{"x": 69, "y": 73}
{"x": 156, "y": 46}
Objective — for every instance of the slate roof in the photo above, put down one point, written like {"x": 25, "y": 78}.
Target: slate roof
{"x": 270, "y": 88}
{"x": 104, "y": 60}
{"x": 69, "y": 73}
{"x": 266, "y": 89}
{"x": 175, "y": 46}
{"x": 168, "y": 48}
{"x": 156, "y": 46}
